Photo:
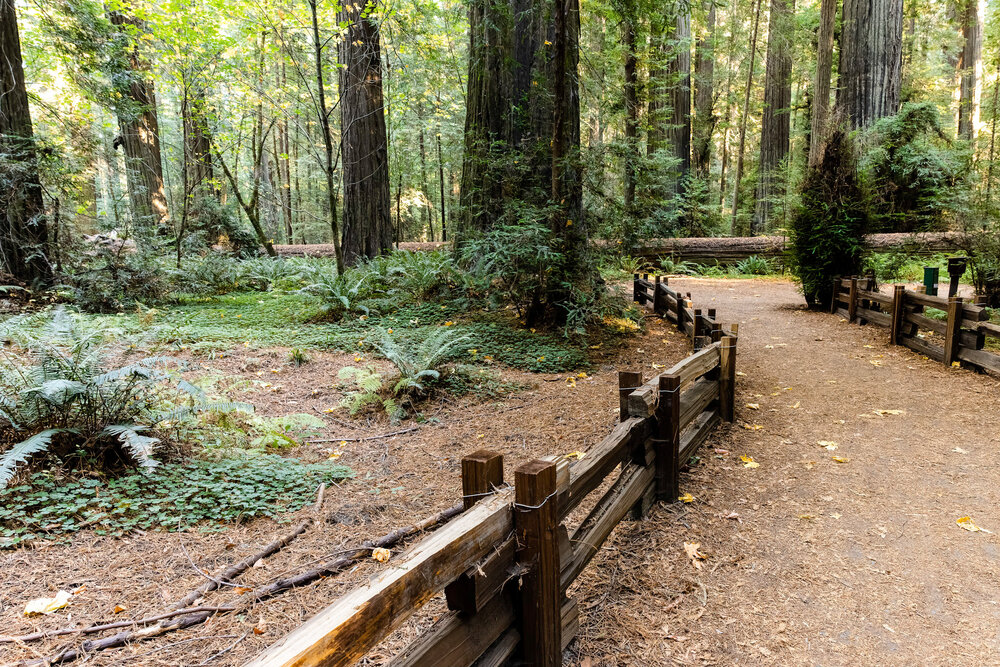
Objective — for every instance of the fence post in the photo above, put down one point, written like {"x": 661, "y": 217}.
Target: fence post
{"x": 696, "y": 324}
{"x": 635, "y": 288}
{"x": 656, "y": 296}
{"x": 668, "y": 438}
{"x": 852, "y": 301}
{"x": 536, "y": 520}
{"x": 727, "y": 378}
{"x": 482, "y": 472}
{"x": 679, "y": 311}
{"x": 952, "y": 333}
{"x": 627, "y": 383}
{"x": 896, "y": 324}
{"x": 836, "y": 293}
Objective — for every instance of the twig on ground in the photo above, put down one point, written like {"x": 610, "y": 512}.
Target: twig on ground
{"x": 242, "y": 566}
{"x": 370, "y": 437}
{"x": 110, "y": 626}
{"x": 219, "y": 654}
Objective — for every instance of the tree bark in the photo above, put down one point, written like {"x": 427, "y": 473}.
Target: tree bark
{"x": 367, "y": 221}
{"x": 140, "y": 130}
{"x": 820, "y": 122}
{"x": 23, "y": 230}
{"x": 441, "y": 184}
{"x": 970, "y": 70}
{"x": 704, "y": 115}
{"x": 871, "y": 46}
{"x": 776, "y": 120}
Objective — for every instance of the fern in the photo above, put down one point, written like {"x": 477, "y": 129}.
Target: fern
{"x": 59, "y": 391}
{"x": 24, "y": 450}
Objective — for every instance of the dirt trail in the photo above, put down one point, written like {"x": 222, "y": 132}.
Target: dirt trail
{"x": 828, "y": 563}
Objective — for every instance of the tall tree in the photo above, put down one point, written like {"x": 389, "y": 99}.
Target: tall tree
{"x": 704, "y": 115}
{"x": 678, "y": 129}
{"x": 776, "y": 121}
{"x": 489, "y": 122}
{"x": 23, "y": 232}
{"x": 743, "y": 121}
{"x": 970, "y": 69}
{"x": 820, "y": 120}
{"x": 329, "y": 155}
{"x": 367, "y": 225}
{"x": 631, "y": 94}
{"x": 871, "y": 45}
{"x": 139, "y": 126}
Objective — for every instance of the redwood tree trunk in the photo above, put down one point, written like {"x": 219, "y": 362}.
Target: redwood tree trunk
{"x": 23, "y": 232}
{"x": 488, "y": 117}
{"x": 969, "y": 67}
{"x": 820, "y": 121}
{"x": 140, "y": 132}
{"x": 871, "y": 45}
{"x": 704, "y": 116}
{"x": 367, "y": 226}
{"x": 776, "y": 121}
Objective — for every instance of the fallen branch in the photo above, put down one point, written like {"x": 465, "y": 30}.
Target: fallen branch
{"x": 195, "y": 615}
{"x": 242, "y": 566}
{"x": 370, "y": 437}
{"x": 89, "y": 630}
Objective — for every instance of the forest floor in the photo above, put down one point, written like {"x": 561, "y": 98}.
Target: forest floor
{"x": 807, "y": 560}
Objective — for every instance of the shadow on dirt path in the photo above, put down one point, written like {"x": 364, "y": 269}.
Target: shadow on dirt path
{"x": 811, "y": 560}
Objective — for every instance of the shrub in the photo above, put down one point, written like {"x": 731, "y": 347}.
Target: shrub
{"x": 108, "y": 280}
{"x": 916, "y": 174}
{"x": 342, "y": 293}
{"x": 64, "y": 399}
{"x": 677, "y": 267}
{"x": 827, "y": 232}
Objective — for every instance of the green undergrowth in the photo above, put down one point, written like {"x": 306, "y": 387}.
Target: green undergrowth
{"x": 211, "y": 324}
{"x": 202, "y": 494}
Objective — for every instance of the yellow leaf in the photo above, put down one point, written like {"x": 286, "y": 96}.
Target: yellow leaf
{"x": 381, "y": 555}
{"x": 753, "y": 406}
{"x": 840, "y": 459}
{"x": 741, "y": 374}
{"x": 691, "y": 549}
{"x": 882, "y": 413}
{"x": 827, "y": 444}
{"x": 752, "y": 427}
{"x": 748, "y": 461}
{"x": 686, "y": 498}
{"x": 956, "y": 364}
{"x": 581, "y": 375}
{"x": 449, "y": 323}
{"x": 576, "y": 455}
{"x": 119, "y": 609}
{"x": 875, "y": 362}
{"x": 795, "y": 406}
{"x": 47, "y": 605}
{"x": 807, "y": 517}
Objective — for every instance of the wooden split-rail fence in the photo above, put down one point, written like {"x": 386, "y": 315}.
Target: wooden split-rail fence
{"x": 961, "y": 337}
{"x": 505, "y": 564}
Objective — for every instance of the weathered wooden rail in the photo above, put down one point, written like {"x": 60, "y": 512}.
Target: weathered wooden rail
{"x": 506, "y": 563}
{"x": 959, "y": 338}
